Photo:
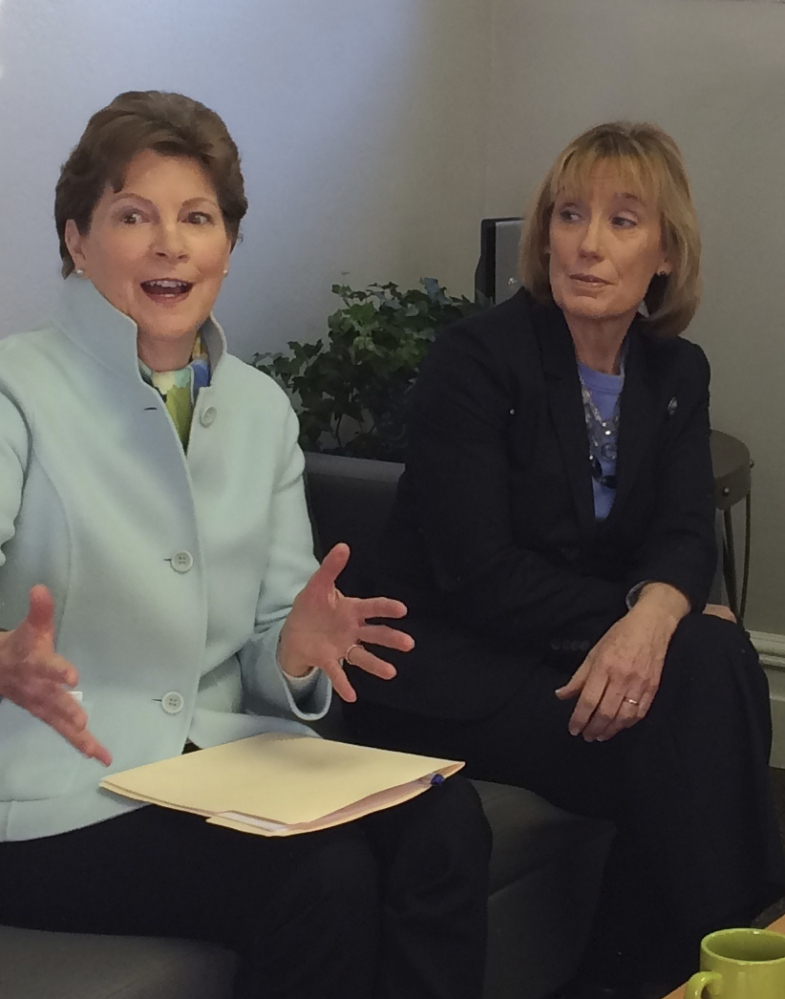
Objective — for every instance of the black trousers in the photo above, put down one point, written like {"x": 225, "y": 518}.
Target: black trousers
{"x": 687, "y": 787}
{"x": 393, "y": 906}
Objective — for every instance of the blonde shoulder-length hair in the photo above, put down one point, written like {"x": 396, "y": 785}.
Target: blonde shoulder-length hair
{"x": 651, "y": 166}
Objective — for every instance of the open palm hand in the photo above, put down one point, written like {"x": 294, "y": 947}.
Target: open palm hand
{"x": 325, "y": 629}
{"x": 36, "y": 678}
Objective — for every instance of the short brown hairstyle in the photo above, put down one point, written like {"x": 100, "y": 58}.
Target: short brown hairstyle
{"x": 650, "y": 161}
{"x": 170, "y": 124}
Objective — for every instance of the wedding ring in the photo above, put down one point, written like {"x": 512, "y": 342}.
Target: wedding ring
{"x": 348, "y": 653}
{"x": 631, "y": 700}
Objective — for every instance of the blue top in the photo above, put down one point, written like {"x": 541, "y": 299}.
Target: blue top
{"x": 604, "y": 390}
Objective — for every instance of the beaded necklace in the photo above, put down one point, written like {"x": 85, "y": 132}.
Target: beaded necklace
{"x": 603, "y": 434}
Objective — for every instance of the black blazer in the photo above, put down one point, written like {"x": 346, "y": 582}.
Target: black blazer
{"x": 493, "y": 542}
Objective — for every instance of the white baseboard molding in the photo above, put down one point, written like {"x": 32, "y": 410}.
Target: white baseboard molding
{"x": 771, "y": 649}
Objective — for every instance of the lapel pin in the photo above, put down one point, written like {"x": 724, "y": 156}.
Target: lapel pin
{"x": 672, "y": 406}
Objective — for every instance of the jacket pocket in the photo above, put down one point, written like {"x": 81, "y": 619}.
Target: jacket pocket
{"x": 36, "y": 762}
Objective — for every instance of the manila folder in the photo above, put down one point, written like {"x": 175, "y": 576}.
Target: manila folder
{"x": 278, "y": 784}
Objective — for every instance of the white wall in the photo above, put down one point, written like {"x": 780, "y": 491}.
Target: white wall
{"x": 361, "y": 129}
{"x": 713, "y": 75}
{"x": 375, "y": 135}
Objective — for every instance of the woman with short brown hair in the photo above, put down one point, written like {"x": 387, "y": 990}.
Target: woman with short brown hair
{"x": 166, "y": 123}
{"x": 156, "y": 554}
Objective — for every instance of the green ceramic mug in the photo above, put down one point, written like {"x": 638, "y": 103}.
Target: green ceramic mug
{"x": 740, "y": 964}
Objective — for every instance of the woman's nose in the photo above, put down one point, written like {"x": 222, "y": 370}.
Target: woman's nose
{"x": 169, "y": 241}
{"x": 591, "y": 243}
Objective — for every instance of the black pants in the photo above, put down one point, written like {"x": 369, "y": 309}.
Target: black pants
{"x": 697, "y": 844}
{"x": 392, "y": 906}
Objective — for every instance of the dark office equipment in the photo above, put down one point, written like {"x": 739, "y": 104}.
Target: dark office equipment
{"x": 496, "y": 277}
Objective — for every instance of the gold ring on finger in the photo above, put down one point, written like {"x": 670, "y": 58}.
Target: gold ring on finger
{"x": 348, "y": 653}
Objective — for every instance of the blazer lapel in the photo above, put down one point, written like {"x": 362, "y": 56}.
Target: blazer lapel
{"x": 566, "y": 409}
{"x": 637, "y": 421}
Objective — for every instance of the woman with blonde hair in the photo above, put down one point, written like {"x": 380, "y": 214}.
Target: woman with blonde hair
{"x": 553, "y": 538}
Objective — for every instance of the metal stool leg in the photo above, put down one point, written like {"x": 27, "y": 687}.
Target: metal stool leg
{"x": 747, "y": 545}
{"x": 729, "y": 563}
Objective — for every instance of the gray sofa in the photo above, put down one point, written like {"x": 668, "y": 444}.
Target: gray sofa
{"x": 545, "y": 868}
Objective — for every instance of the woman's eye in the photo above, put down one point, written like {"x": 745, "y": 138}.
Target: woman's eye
{"x": 623, "y": 222}
{"x": 131, "y": 217}
{"x": 568, "y": 215}
{"x": 200, "y": 218}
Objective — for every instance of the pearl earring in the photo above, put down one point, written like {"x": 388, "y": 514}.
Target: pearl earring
{"x": 226, "y": 272}
{"x": 80, "y": 272}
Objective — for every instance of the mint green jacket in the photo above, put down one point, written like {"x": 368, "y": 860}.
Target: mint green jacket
{"x": 172, "y": 573}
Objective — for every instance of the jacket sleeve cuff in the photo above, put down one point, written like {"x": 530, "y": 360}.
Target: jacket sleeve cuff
{"x": 309, "y": 695}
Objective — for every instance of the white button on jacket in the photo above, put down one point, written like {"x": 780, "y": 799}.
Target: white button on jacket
{"x": 172, "y": 703}
{"x": 182, "y": 561}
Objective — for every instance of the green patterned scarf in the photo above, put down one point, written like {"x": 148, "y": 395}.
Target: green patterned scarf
{"x": 179, "y": 388}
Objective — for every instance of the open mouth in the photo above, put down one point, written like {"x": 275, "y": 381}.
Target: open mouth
{"x": 166, "y": 289}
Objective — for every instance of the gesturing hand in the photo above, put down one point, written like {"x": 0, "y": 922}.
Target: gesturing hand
{"x": 323, "y": 625}
{"x": 35, "y": 677}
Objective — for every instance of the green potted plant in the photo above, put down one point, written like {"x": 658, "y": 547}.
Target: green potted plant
{"x": 351, "y": 388}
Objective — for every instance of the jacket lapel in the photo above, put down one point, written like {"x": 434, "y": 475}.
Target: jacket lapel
{"x": 566, "y": 410}
{"x": 637, "y": 420}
